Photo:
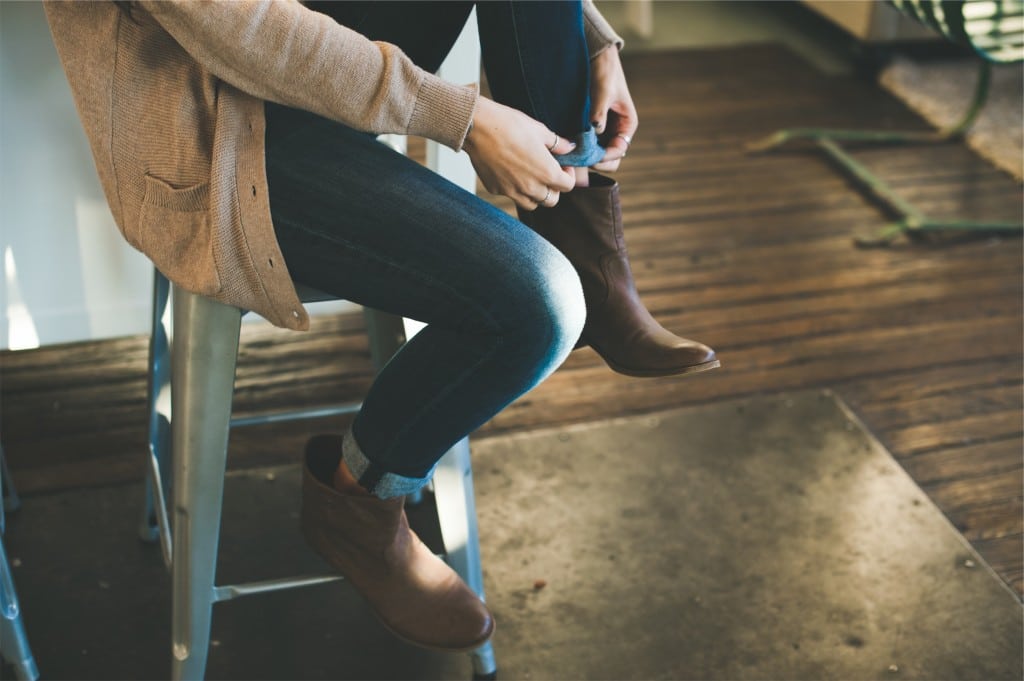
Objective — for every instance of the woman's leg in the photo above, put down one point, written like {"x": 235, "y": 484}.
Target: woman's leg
{"x": 503, "y": 307}
{"x": 536, "y": 58}
{"x": 537, "y": 61}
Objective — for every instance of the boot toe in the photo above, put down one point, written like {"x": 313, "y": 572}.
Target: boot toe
{"x": 661, "y": 354}
{"x": 690, "y": 357}
{"x": 456, "y": 620}
{"x": 472, "y": 629}
{"x": 698, "y": 353}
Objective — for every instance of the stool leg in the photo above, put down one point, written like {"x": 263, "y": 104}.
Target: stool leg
{"x": 204, "y": 352}
{"x": 456, "y": 514}
{"x": 13, "y": 641}
{"x": 154, "y": 523}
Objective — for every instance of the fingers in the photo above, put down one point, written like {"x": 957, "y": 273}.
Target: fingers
{"x": 599, "y": 110}
{"x": 550, "y": 199}
{"x": 607, "y": 166}
{"x": 563, "y": 180}
{"x": 560, "y": 145}
{"x": 515, "y": 156}
{"x": 625, "y": 121}
{"x": 614, "y": 152}
{"x": 546, "y": 197}
{"x": 616, "y": 149}
{"x": 525, "y": 203}
{"x": 599, "y": 106}
{"x": 622, "y": 128}
{"x": 531, "y": 204}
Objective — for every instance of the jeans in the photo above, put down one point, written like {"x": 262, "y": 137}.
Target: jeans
{"x": 357, "y": 220}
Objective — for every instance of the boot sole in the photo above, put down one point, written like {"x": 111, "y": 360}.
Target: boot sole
{"x": 653, "y": 373}
{"x": 437, "y": 649}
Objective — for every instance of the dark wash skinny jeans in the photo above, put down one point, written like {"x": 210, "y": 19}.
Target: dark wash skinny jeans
{"x": 503, "y": 307}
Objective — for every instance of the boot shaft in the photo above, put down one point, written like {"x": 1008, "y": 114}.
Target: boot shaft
{"x": 370, "y": 523}
{"x": 586, "y": 222}
{"x": 586, "y": 226}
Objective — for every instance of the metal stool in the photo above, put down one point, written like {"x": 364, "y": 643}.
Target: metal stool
{"x": 13, "y": 642}
{"x": 202, "y": 371}
{"x": 204, "y": 353}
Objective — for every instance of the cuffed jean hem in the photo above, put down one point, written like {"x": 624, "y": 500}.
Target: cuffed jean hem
{"x": 374, "y": 479}
{"x": 586, "y": 153}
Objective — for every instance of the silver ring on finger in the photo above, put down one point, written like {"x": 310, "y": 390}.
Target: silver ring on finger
{"x": 554, "y": 144}
{"x": 547, "y": 195}
{"x": 625, "y": 138}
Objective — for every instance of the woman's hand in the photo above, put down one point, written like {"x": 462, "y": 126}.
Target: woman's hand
{"x": 512, "y": 154}
{"x": 611, "y": 108}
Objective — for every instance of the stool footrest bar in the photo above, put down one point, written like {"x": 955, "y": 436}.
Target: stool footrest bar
{"x": 226, "y": 593}
{"x": 278, "y": 417}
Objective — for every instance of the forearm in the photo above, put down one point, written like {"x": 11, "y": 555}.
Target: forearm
{"x": 283, "y": 52}
{"x": 600, "y": 34}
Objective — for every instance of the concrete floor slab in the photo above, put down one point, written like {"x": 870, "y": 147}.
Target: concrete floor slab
{"x": 769, "y": 538}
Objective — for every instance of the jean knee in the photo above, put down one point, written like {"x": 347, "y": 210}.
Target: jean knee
{"x": 552, "y": 314}
{"x": 568, "y": 306}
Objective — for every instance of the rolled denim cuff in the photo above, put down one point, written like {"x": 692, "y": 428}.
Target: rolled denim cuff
{"x": 586, "y": 153}
{"x": 373, "y": 478}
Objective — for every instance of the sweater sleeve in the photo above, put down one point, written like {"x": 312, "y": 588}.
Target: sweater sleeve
{"x": 599, "y": 33}
{"x": 286, "y": 53}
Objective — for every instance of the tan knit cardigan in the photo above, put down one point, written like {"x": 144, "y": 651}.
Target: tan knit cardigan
{"x": 171, "y": 99}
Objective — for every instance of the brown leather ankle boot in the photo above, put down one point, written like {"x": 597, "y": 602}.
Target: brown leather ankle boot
{"x": 586, "y": 226}
{"x": 414, "y": 593}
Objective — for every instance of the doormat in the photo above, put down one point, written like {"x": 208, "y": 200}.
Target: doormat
{"x": 941, "y": 90}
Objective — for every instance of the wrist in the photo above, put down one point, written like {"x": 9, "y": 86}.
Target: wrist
{"x": 477, "y": 123}
{"x": 606, "y": 56}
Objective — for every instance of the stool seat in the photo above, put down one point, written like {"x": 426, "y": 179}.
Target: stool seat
{"x": 308, "y": 294}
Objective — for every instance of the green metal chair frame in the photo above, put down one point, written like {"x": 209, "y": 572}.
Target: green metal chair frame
{"x": 995, "y": 30}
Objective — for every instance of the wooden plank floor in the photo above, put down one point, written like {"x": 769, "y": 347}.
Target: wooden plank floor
{"x": 750, "y": 254}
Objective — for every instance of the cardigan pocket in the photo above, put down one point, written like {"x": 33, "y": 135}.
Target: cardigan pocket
{"x": 174, "y": 231}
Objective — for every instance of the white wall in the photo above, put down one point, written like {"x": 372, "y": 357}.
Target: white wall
{"x": 67, "y": 274}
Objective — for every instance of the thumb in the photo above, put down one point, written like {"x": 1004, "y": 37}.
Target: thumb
{"x": 599, "y": 115}
{"x": 562, "y": 146}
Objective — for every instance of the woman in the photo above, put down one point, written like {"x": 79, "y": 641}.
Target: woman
{"x": 235, "y": 144}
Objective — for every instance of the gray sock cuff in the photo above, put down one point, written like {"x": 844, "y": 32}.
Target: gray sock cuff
{"x": 378, "y": 481}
